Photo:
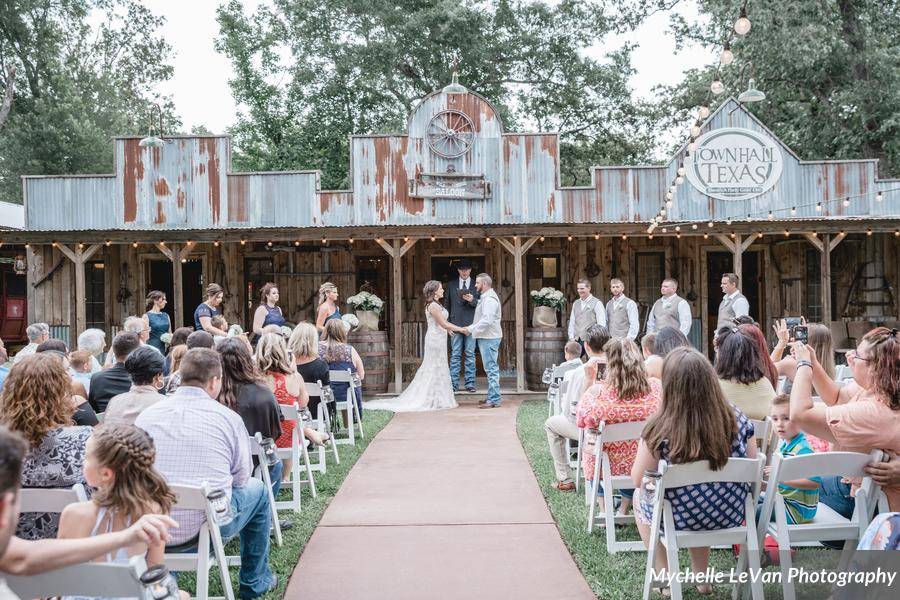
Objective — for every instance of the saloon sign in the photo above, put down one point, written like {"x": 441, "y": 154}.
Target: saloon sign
{"x": 734, "y": 164}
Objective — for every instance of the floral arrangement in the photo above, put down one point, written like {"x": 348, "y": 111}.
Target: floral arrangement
{"x": 235, "y": 330}
{"x": 166, "y": 338}
{"x": 548, "y": 296}
{"x": 366, "y": 301}
{"x": 351, "y": 321}
{"x": 286, "y": 332}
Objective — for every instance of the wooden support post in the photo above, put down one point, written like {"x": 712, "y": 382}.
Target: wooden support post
{"x": 825, "y": 246}
{"x": 79, "y": 256}
{"x": 518, "y": 249}
{"x": 396, "y": 252}
{"x": 737, "y": 247}
{"x": 176, "y": 254}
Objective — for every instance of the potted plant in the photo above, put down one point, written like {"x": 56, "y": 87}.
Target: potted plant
{"x": 367, "y": 307}
{"x": 547, "y": 302}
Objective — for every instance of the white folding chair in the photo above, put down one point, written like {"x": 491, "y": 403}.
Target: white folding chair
{"x": 555, "y": 392}
{"x": 92, "y": 580}
{"x": 322, "y": 423}
{"x": 209, "y": 539}
{"x": 262, "y": 473}
{"x": 295, "y": 453}
{"x": 765, "y": 441}
{"x": 782, "y": 381}
{"x": 50, "y": 500}
{"x": 736, "y": 470}
{"x": 348, "y": 404}
{"x": 827, "y": 525}
{"x": 607, "y": 434}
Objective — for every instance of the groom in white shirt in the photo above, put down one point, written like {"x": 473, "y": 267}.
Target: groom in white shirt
{"x": 486, "y": 330}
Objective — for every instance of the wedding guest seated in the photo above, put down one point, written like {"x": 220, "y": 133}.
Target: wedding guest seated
{"x": 624, "y": 395}
{"x": 694, "y": 423}
{"x": 93, "y": 341}
{"x": 801, "y": 496}
{"x": 667, "y": 339}
{"x": 119, "y": 468}
{"x": 179, "y": 338}
{"x": 753, "y": 331}
{"x": 244, "y": 391}
{"x": 200, "y": 339}
{"x": 145, "y": 367}
{"x": 173, "y": 380}
{"x": 200, "y": 440}
{"x": 652, "y": 361}
{"x": 84, "y": 414}
{"x": 115, "y": 380}
{"x": 37, "y": 333}
{"x": 37, "y": 403}
{"x": 740, "y": 371}
{"x": 28, "y": 558}
{"x": 340, "y": 356}
{"x": 562, "y": 426}
{"x": 572, "y": 354}
{"x": 304, "y": 345}
{"x": 281, "y": 377}
{"x": 861, "y": 416}
{"x": 135, "y": 325}
{"x": 819, "y": 339}
{"x": 80, "y": 366}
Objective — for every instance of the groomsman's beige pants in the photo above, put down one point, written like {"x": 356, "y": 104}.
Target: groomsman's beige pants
{"x": 559, "y": 428}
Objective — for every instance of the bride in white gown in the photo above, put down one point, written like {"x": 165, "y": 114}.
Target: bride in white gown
{"x": 430, "y": 389}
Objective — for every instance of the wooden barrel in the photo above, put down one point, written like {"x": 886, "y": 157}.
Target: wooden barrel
{"x": 543, "y": 348}
{"x": 374, "y": 351}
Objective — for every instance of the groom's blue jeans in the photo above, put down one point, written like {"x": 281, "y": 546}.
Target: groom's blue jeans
{"x": 459, "y": 343}
{"x": 489, "y": 348}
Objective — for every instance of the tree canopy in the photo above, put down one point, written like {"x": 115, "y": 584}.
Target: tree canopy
{"x": 76, "y": 85}
{"x": 311, "y": 72}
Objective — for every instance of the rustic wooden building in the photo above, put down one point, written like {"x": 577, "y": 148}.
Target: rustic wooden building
{"x": 818, "y": 238}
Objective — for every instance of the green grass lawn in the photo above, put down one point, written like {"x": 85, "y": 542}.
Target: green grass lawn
{"x": 283, "y": 560}
{"x": 621, "y": 575}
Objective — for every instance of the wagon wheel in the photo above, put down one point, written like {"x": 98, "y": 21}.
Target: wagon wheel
{"x": 450, "y": 133}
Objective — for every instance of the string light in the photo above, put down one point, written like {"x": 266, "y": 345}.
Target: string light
{"x": 679, "y": 180}
{"x": 668, "y": 204}
{"x": 704, "y": 111}
{"x": 624, "y": 237}
{"x": 732, "y": 235}
{"x": 695, "y": 129}
{"x": 53, "y": 244}
{"x": 189, "y": 242}
{"x": 569, "y": 238}
{"x": 460, "y": 240}
{"x": 787, "y": 233}
{"x": 81, "y": 246}
{"x": 297, "y": 243}
{"x": 728, "y": 221}
{"x": 710, "y": 224}
{"x": 759, "y": 234}
{"x": 650, "y": 237}
{"x": 678, "y": 235}
{"x": 108, "y": 242}
{"x": 705, "y": 236}
{"x": 542, "y": 238}
{"x": 324, "y": 241}
{"x": 793, "y": 211}
{"x": 815, "y": 234}
{"x": 243, "y": 242}
{"x": 869, "y": 231}
{"x": 771, "y": 216}
{"x": 681, "y": 170}
{"x": 596, "y": 236}
{"x": 717, "y": 87}
{"x": 351, "y": 240}
{"x": 134, "y": 245}
{"x": 662, "y": 212}
{"x": 818, "y": 207}
{"x": 846, "y": 202}
{"x": 727, "y": 56}
{"x": 879, "y": 197}
{"x": 692, "y": 145}
{"x": 896, "y": 234}
{"x": 488, "y": 240}
{"x": 678, "y": 228}
{"x": 269, "y": 244}
{"x": 694, "y": 226}
{"x": 27, "y": 246}
{"x": 432, "y": 238}
{"x": 216, "y": 243}
{"x": 843, "y": 233}
{"x": 743, "y": 24}
{"x": 665, "y": 230}
{"x": 668, "y": 195}
{"x": 405, "y": 238}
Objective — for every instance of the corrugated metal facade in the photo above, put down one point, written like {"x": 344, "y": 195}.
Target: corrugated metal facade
{"x": 187, "y": 185}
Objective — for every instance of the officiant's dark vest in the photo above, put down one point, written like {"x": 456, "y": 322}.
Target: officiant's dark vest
{"x": 462, "y": 313}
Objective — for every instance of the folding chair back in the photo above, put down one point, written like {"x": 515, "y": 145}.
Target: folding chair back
{"x": 602, "y": 476}
{"x": 262, "y": 472}
{"x": 736, "y": 470}
{"x": 780, "y": 384}
{"x": 208, "y": 539}
{"x": 322, "y": 423}
{"x": 560, "y": 370}
{"x": 354, "y": 419}
{"x": 827, "y": 524}
{"x": 86, "y": 579}
{"x": 766, "y": 442}
{"x": 50, "y": 500}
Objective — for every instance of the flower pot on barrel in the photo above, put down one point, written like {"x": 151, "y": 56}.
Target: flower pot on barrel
{"x": 544, "y": 341}
{"x": 370, "y": 343}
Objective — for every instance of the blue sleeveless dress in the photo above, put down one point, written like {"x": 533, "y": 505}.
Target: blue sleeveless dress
{"x": 159, "y": 324}
{"x": 273, "y": 316}
{"x": 341, "y": 361}
{"x": 335, "y": 315}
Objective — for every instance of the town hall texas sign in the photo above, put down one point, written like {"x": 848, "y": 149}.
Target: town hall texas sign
{"x": 734, "y": 164}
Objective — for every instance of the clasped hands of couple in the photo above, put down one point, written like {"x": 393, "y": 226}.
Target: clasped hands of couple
{"x": 463, "y": 330}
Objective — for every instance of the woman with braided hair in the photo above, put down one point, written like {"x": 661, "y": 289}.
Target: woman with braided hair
{"x": 118, "y": 466}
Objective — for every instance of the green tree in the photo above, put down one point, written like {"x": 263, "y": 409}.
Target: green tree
{"x": 311, "y": 72}
{"x": 830, "y": 70}
{"x": 76, "y": 85}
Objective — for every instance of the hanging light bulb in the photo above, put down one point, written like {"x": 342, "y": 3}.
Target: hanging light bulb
{"x": 488, "y": 240}
{"x": 216, "y": 243}
{"x": 694, "y": 226}
{"x": 846, "y": 202}
{"x": 759, "y": 234}
{"x": 793, "y": 210}
{"x": 668, "y": 204}
{"x": 879, "y": 197}
{"x": 678, "y": 228}
{"x": 695, "y": 130}
{"x": 869, "y": 231}
{"x": 681, "y": 170}
{"x": 650, "y": 237}
{"x": 324, "y": 241}
{"x": 665, "y": 230}
{"x": 732, "y": 235}
{"x": 350, "y": 240}
{"x": 432, "y": 238}
{"x": 705, "y": 236}
{"x": 787, "y": 233}
{"x": 596, "y": 236}
{"x": 269, "y": 244}
{"x": 243, "y": 242}
{"x": 624, "y": 237}
{"x": 727, "y": 56}
{"x": 297, "y": 242}
{"x": 710, "y": 224}
{"x": 818, "y": 207}
{"x": 662, "y": 212}
{"x": 679, "y": 180}
{"x": 678, "y": 235}
{"x": 728, "y": 221}
{"x": 717, "y": 87}
{"x": 460, "y": 240}
{"x": 743, "y": 24}
{"x": 668, "y": 195}
{"x": 771, "y": 216}
{"x": 542, "y": 238}
{"x": 569, "y": 238}
{"x": 703, "y": 112}
{"x": 692, "y": 145}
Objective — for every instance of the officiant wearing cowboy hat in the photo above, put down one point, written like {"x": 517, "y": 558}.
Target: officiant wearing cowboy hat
{"x": 460, "y": 301}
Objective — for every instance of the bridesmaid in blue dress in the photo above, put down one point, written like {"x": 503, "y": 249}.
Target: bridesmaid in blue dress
{"x": 157, "y": 321}
{"x": 268, "y": 312}
{"x": 340, "y": 356}
{"x": 328, "y": 309}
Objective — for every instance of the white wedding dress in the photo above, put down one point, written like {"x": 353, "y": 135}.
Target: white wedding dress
{"x": 430, "y": 389}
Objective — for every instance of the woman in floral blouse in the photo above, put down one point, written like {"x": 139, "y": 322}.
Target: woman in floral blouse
{"x": 625, "y": 395}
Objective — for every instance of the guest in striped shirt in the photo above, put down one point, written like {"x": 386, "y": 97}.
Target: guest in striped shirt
{"x": 801, "y": 496}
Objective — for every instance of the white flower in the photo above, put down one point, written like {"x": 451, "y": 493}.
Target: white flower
{"x": 166, "y": 338}
{"x": 286, "y": 331}
{"x": 235, "y": 330}
{"x": 351, "y": 320}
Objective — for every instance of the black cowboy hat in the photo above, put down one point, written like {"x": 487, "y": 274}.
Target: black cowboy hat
{"x": 464, "y": 263}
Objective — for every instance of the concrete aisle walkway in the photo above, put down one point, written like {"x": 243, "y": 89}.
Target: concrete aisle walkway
{"x": 441, "y": 505}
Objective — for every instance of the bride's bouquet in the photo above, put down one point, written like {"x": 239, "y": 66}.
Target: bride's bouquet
{"x": 548, "y": 296}
{"x": 365, "y": 301}
{"x": 350, "y": 321}
{"x": 234, "y": 330}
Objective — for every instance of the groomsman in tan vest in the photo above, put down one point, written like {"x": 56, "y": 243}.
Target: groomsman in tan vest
{"x": 621, "y": 313}
{"x": 586, "y": 311}
{"x": 734, "y": 304}
{"x": 670, "y": 311}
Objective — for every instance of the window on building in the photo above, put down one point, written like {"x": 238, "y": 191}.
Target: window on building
{"x": 812, "y": 298}
{"x": 649, "y": 271}
{"x": 95, "y": 294}
{"x": 372, "y": 273}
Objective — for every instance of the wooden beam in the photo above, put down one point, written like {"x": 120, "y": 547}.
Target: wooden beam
{"x": 176, "y": 253}
{"x": 79, "y": 256}
{"x": 748, "y": 242}
{"x": 396, "y": 302}
{"x": 815, "y": 241}
{"x": 407, "y": 245}
{"x": 825, "y": 268}
{"x": 837, "y": 239}
{"x": 518, "y": 248}
{"x": 387, "y": 247}
{"x": 507, "y": 245}
{"x": 723, "y": 239}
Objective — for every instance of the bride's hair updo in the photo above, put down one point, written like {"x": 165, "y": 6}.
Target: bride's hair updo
{"x": 430, "y": 289}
